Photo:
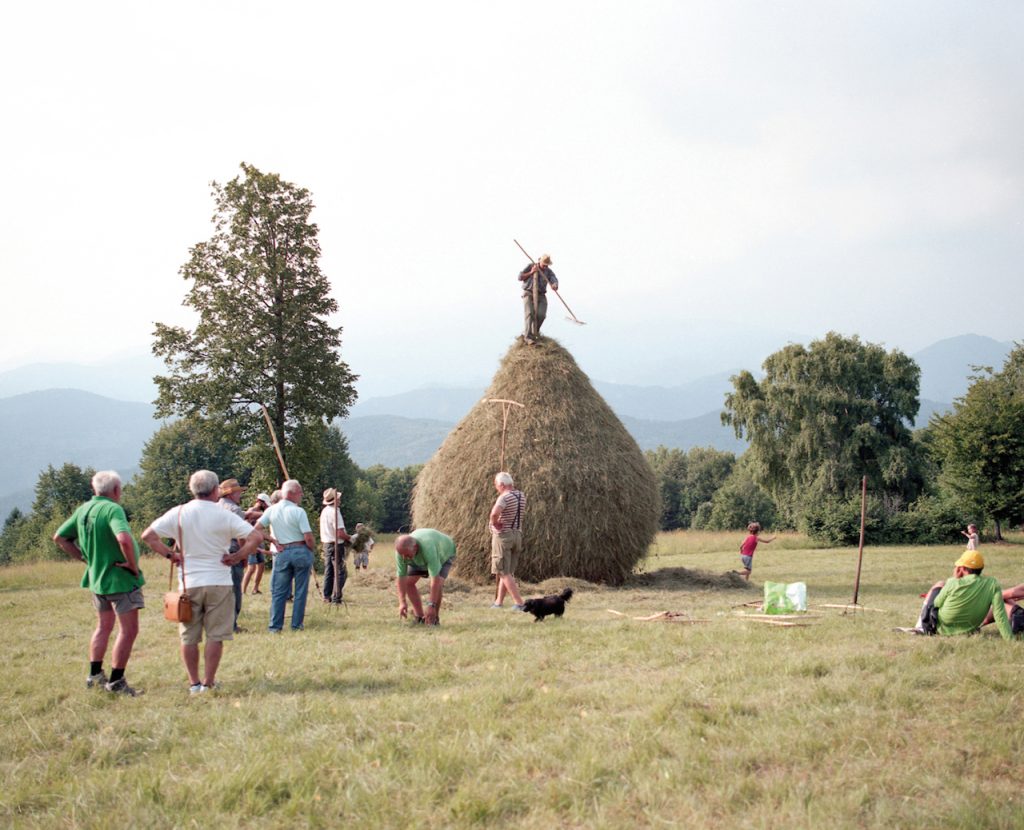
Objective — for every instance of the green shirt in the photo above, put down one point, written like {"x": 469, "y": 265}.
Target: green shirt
{"x": 434, "y": 550}
{"x": 94, "y": 526}
{"x": 963, "y": 603}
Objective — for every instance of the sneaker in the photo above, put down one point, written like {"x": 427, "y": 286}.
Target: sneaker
{"x": 208, "y": 687}
{"x": 518, "y": 607}
{"x": 196, "y": 688}
{"x": 495, "y": 605}
{"x": 121, "y": 687}
{"x": 99, "y": 679}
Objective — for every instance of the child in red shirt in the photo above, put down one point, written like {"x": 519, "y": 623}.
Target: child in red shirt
{"x": 749, "y": 546}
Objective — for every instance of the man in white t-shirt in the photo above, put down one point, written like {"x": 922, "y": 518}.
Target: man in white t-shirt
{"x": 333, "y": 537}
{"x": 204, "y": 532}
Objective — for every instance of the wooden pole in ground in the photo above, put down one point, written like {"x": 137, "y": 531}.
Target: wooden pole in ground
{"x": 860, "y": 551}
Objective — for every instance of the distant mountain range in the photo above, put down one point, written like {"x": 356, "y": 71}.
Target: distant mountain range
{"x": 98, "y": 427}
{"x": 59, "y": 425}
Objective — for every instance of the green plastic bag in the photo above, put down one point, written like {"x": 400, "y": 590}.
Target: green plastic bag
{"x": 784, "y": 598}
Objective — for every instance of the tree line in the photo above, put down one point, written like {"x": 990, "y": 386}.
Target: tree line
{"x": 827, "y": 415}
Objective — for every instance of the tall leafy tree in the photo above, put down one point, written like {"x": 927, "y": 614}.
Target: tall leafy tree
{"x": 825, "y": 415}
{"x": 62, "y": 489}
{"x": 687, "y": 479}
{"x": 980, "y": 444}
{"x": 263, "y": 336}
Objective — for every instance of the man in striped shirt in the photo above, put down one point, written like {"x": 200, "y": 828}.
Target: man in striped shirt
{"x": 506, "y": 523}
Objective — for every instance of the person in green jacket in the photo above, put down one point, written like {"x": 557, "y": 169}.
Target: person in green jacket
{"x": 969, "y": 600}
{"x": 98, "y": 535}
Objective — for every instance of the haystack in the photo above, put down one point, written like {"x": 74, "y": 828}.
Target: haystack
{"x": 592, "y": 499}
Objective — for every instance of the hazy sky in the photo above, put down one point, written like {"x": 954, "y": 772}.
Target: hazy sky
{"x": 708, "y": 176}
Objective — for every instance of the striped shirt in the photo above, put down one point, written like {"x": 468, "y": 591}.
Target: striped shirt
{"x": 511, "y": 503}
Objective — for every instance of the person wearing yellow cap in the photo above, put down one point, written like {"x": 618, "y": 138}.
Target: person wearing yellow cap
{"x": 963, "y": 604}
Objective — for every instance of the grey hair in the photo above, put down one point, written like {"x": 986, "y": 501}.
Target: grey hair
{"x": 275, "y": 497}
{"x": 202, "y": 482}
{"x": 290, "y": 486}
{"x": 105, "y": 482}
{"x": 504, "y": 479}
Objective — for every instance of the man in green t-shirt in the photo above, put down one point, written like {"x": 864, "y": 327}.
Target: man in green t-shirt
{"x": 423, "y": 552}
{"x": 969, "y": 600}
{"x": 98, "y": 535}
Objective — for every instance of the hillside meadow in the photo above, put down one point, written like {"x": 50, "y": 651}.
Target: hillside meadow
{"x": 594, "y": 720}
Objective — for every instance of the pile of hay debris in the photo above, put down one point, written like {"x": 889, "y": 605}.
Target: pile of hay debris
{"x": 592, "y": 499}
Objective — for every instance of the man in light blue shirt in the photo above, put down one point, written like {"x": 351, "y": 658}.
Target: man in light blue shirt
{"x": 289, "y": 527}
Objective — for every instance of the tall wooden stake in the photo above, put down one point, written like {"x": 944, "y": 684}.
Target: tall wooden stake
{"x": 860, "y": 551}
{"x": 273, "y": 437}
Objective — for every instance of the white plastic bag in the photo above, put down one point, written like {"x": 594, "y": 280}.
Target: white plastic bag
{"x": 783, "y": 598}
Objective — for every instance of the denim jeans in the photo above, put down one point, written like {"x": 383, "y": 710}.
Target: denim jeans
{"x": 293, "y": 563}
{"x": 237, "y": 572}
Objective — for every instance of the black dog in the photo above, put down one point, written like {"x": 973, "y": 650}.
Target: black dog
{"x": 542, "y": 607}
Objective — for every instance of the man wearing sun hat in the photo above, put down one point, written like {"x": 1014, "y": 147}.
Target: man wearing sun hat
{"x": 333, "y": 537}
{"x": 963, "y": 604}
{"x": 231, "y": 499}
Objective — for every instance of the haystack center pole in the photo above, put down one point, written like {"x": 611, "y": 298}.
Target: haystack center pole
{"x": 860, "y": 551}
{"x": 575, "y": 319}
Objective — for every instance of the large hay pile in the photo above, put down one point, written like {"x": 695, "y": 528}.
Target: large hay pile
{"x": 592, "y": 499}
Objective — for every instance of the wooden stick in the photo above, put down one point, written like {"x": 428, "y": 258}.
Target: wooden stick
{"x": 851, "y": 605}
{"x": 860, "y": 550}
{"x": 505, "y": 409}
{"x": 273, "y": 437}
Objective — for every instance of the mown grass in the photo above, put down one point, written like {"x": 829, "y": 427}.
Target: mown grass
{"x": 491, "y": 720}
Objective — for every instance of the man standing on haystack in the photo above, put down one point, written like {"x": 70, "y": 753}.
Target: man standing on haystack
{"x": 333, "y": 537}
{"x": 535, "y": 300}
{"x": 506, "y": 523}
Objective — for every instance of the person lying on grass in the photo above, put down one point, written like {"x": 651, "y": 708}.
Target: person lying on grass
{"x": 966, "y": 602}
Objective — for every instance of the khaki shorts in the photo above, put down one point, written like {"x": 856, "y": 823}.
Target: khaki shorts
{"x": 213, "y": 611}
{"x": 505, "y": 550}
{"x": 119, "y": 603}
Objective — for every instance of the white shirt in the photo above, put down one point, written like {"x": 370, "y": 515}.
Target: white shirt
{"x": 207, "y": 530}
{"x": 330, "y": 518}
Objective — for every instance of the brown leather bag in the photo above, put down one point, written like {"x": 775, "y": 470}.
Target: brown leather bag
{"x": 177, "y": 605}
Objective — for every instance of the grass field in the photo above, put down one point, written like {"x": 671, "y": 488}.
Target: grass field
{"x": 491, "y": 720}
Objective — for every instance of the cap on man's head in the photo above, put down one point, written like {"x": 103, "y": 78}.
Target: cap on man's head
{"x": 545, "y": 259}
{"x": 330, "y": 494}
{"x": 263, "y": 497}
{"x": 229, "y": 486}
{"x": 970, "y": 559}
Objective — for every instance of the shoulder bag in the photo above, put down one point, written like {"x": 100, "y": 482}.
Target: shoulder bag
{"x": 177, "y": 605}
